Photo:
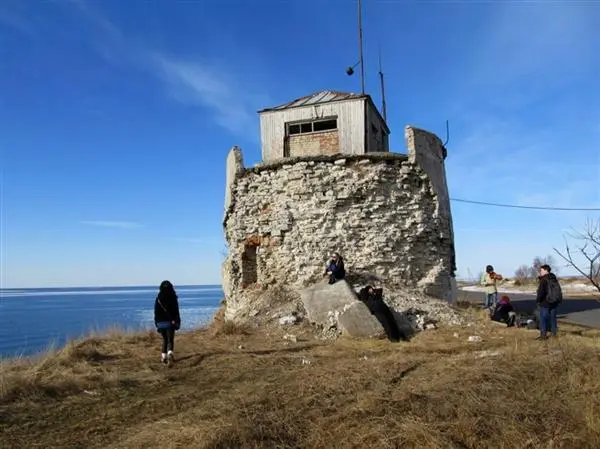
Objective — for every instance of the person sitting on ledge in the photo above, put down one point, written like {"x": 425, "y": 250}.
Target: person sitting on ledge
{"x": 504, "y": 312}
{"x": 335, "y": 268}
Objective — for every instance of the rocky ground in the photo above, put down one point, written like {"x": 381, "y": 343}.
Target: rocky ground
{"x": 335, "y": 310}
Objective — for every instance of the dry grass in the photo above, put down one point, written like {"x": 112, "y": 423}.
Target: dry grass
{"x": 437, "y": 391}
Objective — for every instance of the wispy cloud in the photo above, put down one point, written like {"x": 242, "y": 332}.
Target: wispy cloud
{"x": 524, "y": 166}
{"x": 525, "y": 39}
{"x": 196, "y": 82}
{"x": 511, "y": 147}
{"x": 577, "y": 194}
{"x": 113, "y": 224}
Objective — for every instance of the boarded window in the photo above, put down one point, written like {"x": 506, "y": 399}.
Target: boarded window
{"x": 249, "y": 265}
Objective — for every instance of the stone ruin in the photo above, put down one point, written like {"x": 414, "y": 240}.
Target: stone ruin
{"x": 328, "y": 182}
{"x": 388, "y": 214}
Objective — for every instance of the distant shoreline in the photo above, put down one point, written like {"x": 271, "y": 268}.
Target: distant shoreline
{"x": 103, "y": 287}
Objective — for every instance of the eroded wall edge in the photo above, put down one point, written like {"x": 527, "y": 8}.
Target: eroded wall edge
{"x": 428, "y": 151}
{"x": 234, "y": 169}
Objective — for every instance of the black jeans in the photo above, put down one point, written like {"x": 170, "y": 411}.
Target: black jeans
{"x": 168, "y": 336}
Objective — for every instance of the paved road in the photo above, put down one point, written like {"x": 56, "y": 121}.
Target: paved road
{"x": 585, "y": 312}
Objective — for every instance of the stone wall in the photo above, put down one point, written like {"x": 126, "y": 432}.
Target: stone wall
{"x": 312, "y": 144}
{"x": 427, "y": 150}
{"x": 381, "y": 211}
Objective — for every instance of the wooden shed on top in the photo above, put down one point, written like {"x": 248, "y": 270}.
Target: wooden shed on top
{"x": 324, "y": 123}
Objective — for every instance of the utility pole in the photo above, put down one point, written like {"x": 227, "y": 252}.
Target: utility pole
{"x": 383, "y": 108}
{"x": 360, "y": 44}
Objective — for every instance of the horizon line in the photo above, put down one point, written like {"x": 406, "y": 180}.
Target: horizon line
{"x": 106, "y": 286}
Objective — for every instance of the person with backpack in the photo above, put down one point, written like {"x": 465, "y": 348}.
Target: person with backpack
{"x": 548, "y": 298}
{"x": 167, "y": 319}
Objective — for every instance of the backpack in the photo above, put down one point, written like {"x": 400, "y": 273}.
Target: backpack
{"x": 554, "y": 295}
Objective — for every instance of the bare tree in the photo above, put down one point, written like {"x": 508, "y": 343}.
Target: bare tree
{"x": 526, "y": 273}
{"x": 588, "y": 248}
{"x": 538, "y": 262}
{"x": 522, "y": 274}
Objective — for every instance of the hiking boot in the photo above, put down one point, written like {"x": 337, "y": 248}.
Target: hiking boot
{"x": 542, "y": 337}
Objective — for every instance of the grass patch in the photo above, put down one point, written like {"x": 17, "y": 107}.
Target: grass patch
{"x": 436, "y": 391}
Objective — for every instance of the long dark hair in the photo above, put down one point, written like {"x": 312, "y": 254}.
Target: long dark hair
{"x": 166, "y": 291}
{"x": 339, "y": 258}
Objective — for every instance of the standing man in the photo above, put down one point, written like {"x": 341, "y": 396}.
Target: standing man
{"x": 548, "y": 297}
{"x": 489, "y": 280}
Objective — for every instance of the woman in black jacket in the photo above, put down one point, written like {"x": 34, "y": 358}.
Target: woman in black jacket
{"x": 335, "y": 268}
{"x": 167, "y": 319}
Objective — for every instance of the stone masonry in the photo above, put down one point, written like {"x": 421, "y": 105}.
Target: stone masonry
{"x": 388, "y": 214}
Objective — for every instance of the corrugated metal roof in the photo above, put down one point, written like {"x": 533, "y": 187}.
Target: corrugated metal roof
{"x": 325, "y": 96}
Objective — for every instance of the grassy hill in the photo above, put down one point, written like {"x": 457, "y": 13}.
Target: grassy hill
{"x": 236, "y": 388}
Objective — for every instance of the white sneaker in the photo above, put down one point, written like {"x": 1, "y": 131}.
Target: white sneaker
{"x": 170, "y": 355}
{"x": 163, "y": 358}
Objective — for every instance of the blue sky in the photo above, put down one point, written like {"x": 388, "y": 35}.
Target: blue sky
{"x": 116, "y": 119}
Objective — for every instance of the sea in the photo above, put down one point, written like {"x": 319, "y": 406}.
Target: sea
{"x": 34, "y": 320}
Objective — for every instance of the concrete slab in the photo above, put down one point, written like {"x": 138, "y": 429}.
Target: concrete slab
{"x": 337, "y": 305}
{"x": 358, "y": 322}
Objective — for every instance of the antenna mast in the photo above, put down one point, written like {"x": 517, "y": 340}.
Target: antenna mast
{"x": 383, "y": 108}
{"x": 360, "y": 43}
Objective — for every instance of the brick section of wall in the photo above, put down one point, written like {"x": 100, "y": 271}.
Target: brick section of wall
{"x": 326, "y": 142}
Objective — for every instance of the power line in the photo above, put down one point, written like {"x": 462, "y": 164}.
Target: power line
{"x": 483, "y": 203}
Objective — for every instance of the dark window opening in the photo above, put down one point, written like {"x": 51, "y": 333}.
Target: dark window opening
{"x": 311, "y": 126}
{"x": 249, "y": 266}
{"x": 305, "y": 128}
{"x": 325, "y": 125}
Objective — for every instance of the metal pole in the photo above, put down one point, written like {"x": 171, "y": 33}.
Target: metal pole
{"x": 383, "y": 108}
{"x": 360, "y": 42}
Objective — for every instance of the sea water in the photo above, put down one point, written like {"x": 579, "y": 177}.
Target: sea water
{"x": 32, "y": 320}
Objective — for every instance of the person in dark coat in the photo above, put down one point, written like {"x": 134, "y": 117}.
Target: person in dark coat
{"x": 548, "y": 298}
{"x": 167, "y": 319}
{"x": 373, "y": 299}
{"x": 504, "y": 312}
{"x": 335, "y": 268}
